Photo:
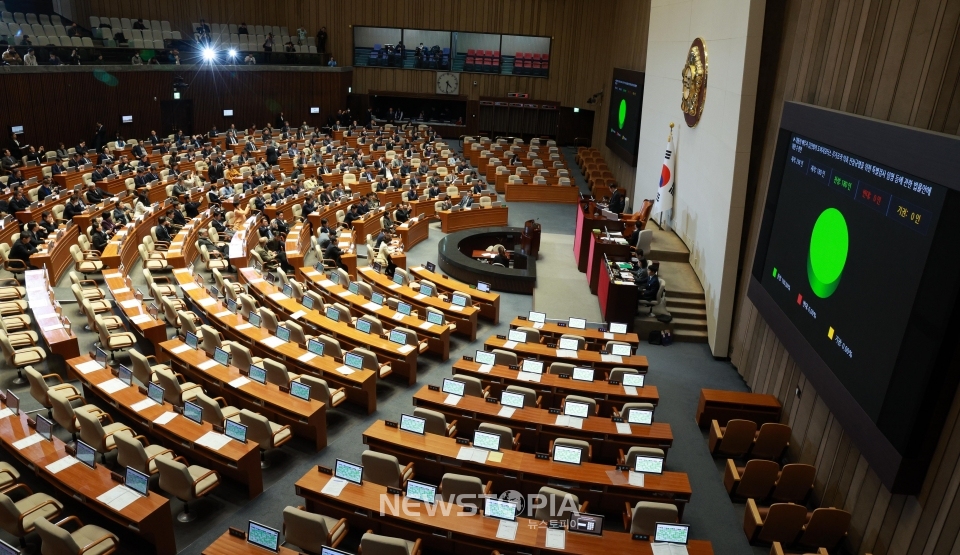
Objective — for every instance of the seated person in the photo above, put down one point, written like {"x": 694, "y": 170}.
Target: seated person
{"x": 23, "y": 250}
{"x": 652, "y": 286}
{"x": 501, "y": 257}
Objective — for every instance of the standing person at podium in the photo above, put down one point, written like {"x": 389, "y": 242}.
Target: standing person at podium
{"x": 617, "y": 201}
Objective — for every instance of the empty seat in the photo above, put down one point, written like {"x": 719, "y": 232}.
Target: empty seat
{"x": 557, "y": 504}
{"x": 770, "y": 442}
{"x": 732, "y": 440}
{"x": 794, "y": 483}
{"x": 466, "y": 491}
{"x": 780, "y": 522}
{"x": 375, "y": 544}
{"x": 311, "y": 532}
{"x": 755, "y": 480}
{"x": 825, "y": 528}
{"x": 186, "y": 483}
{"x": 385, "y": 469}
{"x": 642, "y": 518}
{"x": 436, "y": 422}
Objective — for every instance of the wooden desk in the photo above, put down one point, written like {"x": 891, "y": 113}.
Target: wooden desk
{"x": 567, "y": 194}
{"x": 8, "y": 229}
{"x": 595, "y": 338}
{"x": 426, "y": 209}
{"x": 617, "y": 297}
{"x": 229, "y": 545}
{"x": 58, "y": 259}
{"x": 475, "y": 217}
{"x": 586, "y": 223}
{"x": 33, "y": 214}
{"x": 297, "y": 244}
{"x": 488, "y": 303}
{"x": 307, "y": 419}
{"x": 360, "y": 386}
{"x": 134, "y": 312}
{"x": 412, "y": 232}
{"x": 602, "y": 485}
{"x": 402, "y": 358}
{"x": 453, "y": 531}
{"x": 553, "y": 388}
{"x": 538, "y": 426}
{"x": 369, "y": 224}
{"x": 40, "y": 301}
{"x": 30, "y": 172}
{"x": 600, "y": 247}
{"x": 240, "y": 462}
{"x": 438, "y": 337}
{"x": 723, "y": 406}
{"x": 541, "y": 351}
{"x": 284, "y": 206}
{"x": 150, "y": 517}
{"x": 242, "y": 243}
{"x": 183, "y": 249}
{"x": 464, "y": 317}
{"x": 70, "y": 178}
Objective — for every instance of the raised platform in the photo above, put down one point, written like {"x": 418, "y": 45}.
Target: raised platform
{"x": 686, "y": 301}
{"x": 452, "y": 260}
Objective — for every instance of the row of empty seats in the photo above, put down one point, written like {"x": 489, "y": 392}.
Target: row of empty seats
{"x": 220, "y": 29}
{"x": 526, "y": 63}
{"x": 134, "y": 34}
{"x": 125, "y": 23}
{"x": 482, "y": 60}
{"x": 31, "y": 18}
{"x": 46, "y": 40}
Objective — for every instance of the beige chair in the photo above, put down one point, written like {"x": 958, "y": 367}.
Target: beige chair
{"x": 375, "y": 544}
{"x": 642, "y": 518}
{"x": 277, "y": 373}
{"x": 137, "y": 453}
{"x": 19, "y": 518}
{"x": 210, "y": 340}
{"x": 113, "y": 342}
{"x": 630, "y": 458}
{"x": 320, "y": 391}
{"x": 241, "y": 357}
{"x": 311, "y": 532}
{"x": 88, "y": 287}
{"x": 472, "y": 386}
{"x": 186, "y": 483}
{"x": 176, "y": 389}
{"x": 732, "y": 440}
{"x": 20, "y": 358}
{"x": 98, "y": 436}
{"x": 64, "y": 410}
{"x": 215, "y": 410}
{"x": 533, "y": 335}
{"x": 39, "y": 388}
{"x": 594, "y": 407}
{"x": 85, "y": 264}
{"x": 436, "y": 422}
{"x": 143, "y": 370}
{"x": 508, "y": 440}
{"x": 163, "y": 284}
{"x": 268, "y": 320}
{"x": 152, "y": 260}
{"x": 466, "y": 491}
{"x": 780, "y": 522}
{"x": 212, "y": 260}
{"x": 385, "y": 470}
{"x": 581, "y": 341}
{"x": 504, "y": 358}
{"x": 530, "y": 397}
{"x": 585, "y": 447}
{"x": 557, "y": 505}
{"x": 264, "y": 433}
{"x": 616, "y": 374}
{"x": 370, "y": 362}
{"x": 624, "y": 411}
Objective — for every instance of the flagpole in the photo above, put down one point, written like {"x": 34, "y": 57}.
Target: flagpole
{"x": 669, "y": 140}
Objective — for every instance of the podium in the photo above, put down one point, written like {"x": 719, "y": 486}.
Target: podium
{"x": 530, "y": 238}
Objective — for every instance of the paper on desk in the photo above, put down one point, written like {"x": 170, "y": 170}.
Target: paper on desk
{"x": 28, "y": 441}
{"x": 668, "y": 549}
{"x": 89, "y": 366}
{"x": 509, "y": 344}
{"x": 556, "y": 539}
{"x": 451, "y": 399}
{"x": 112, "y": 276}
{"x": 164, "y": 418}
{"x": 455, "y": 308}
{"x": 239, "y": 382}
{"x": 397, "y": 316}
{"x": 528, "y": 376}
{"x": 616, "y": 477}
{"x": 345, "y": 370}
{"x": 404, "y": 349}
{"x": 611, "y": 358}
{"x": 276, "y": 296}
{"x": 635, "y": 479}
{"x": 344, "y": 294}
{"x": 118, "y": 497}
{"x": 65, "y": 462}
{"x": 607, "y": 335}
{"x": 132, "y": 303}
{"x": 112, "y": 386}
{"x": 256, "y": 281}
{"x": 223, "y": 314}
{"x": 298, "y": 314}
{"x": 272, "y": 341}
{"x": 566, "y": 353}
{"x": 425, "y": 326}
{"x": 306, "y": 357}
{"x": 121, "y": 291}
{"x": 371, "y": 306}
{"x": 213, "y": 440}
{"x": 495, "y": 456}
{"x": 243, "y": 326}
{"x": 57, "y": 326}
{"x": 5, "y": 413}
{"x": 141, "y": 318}
{"x": 189, "y": 286}
{"x": 394, "y": 285}
{"x": 334, "y": 487}
{"x": 143, "y": 405}
{"x": 485, "y": 368}
{"x": 312, "y": 273}
{"x": 624, "y": 428}
{"x": 506, "y": 412}
{"x": 507, "y": 530}
{"x": 207, "y": 301}
{"x": 537, "y": 325}
{"x": 419, "y": 296}
{"x": 207, "y": 364}
{"x": 326, "y": 283}
{"x": 180, "y": 349}
{"x": 630, "y": 390}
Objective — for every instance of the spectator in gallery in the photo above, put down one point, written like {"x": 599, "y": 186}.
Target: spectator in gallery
{"x": 268, "y": 43}
{"x": 322, "y": 39}
{"x": 25, "y": 41}
{"x": 250, "y": 60}
{"x": 136, "y": 60}
{"x": 301, "y": 36}
{"x": 99, "y": 61}
{"x": 11, "y": 57}
{"x": 30, "y": 59}
{"x": 242, "y": 29}
{"x": 74, "y": 58}
{"x": 289, "y": 47}
{"x": 54, "y": 60}
{"x": 332, "y": 62}
{"x": 138, "y": 24}
{"x": 74, "y": 30}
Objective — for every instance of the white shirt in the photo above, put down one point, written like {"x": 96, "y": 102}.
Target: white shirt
{"x": 29, "y": 60}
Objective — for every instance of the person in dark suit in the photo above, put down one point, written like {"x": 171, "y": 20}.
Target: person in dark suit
{"x": 215, "y": 171}
{"x": 652, "y": 287}
{"x": 23, "y": 250}
{"x": 57, "y": 168}
{"x": 95, "y": 195}
{"x": 163, "y": 230}
{"x": 45, "y": 189}
{"x": 477, "y": 187}
{"x": 48, "y": 224}
{"x": 501, "y": 257}
{"x": 272, "y": 155}
{"x": 616, "y": 200}
{"x": 139, "y": 151}
{"x": 73, "y": 207}
{"x": 98, "y": 237}
{"x": 98, "y": 137}
{"x": 153, "y": 138}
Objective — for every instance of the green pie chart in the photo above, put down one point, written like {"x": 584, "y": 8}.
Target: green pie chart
{"x": 622, "y": 115}
{"x": 829, "y": 246}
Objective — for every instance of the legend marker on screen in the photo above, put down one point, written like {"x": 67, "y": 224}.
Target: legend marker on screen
{"x": 774, "y": 272}
{"x": 800, "y": 299}
{"x": 830, "y": 333}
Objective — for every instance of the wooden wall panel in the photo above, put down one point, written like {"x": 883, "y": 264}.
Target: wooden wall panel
{"x": 895, "y": 60}
{"x": 66, "y": 105}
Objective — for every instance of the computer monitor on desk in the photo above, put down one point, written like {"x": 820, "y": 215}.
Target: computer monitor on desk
{"x": 263, "y": 536}
{"x": 7, "y": 549}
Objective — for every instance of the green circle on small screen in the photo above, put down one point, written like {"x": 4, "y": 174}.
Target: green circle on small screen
{"x": 622, "y": 116}
{"x": 829, "y": 246}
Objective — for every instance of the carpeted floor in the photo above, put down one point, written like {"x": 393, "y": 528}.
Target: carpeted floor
{"x": 679, "y": 371}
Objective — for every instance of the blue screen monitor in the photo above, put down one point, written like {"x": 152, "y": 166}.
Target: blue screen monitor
{"x": 258, "y": 374}
{"x": 193, "y": 411}
{"x": 221, "y": 356}
{"x": 255, "y": 319}
{"x": 315, "y": 347}
{"x": 192, "y": 341}
{"x": 155, "y": 393}
{"x": 348, "y": 471}
{"x": 125, "y": 375}
{"x": 86, "y": 454}
{"x": 263, "y": 536}
{"x": 235, "y": 431}
{"x": 300, "y": 390}
{"x": 283, "y": 333}
{"x": 353, "y": 360}
{"x": 333, "y": 313}
{"x": 137, "y": 481}
{"x": 377, "y": 298}
{"x": 404, "y": 308}
{"x": 363, "y": 325}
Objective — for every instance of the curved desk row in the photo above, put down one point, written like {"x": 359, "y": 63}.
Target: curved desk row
{"x": 297, "y": 244}
{"x": 488, "y": 303}
{"x": 412, "y": 232}
{"x": 546, "y": 353}
{"x": 529, "y": 192}
{"x": 360, "y": 385}
{"x": 595, "y": 338}
{"x": 239, "y": 461}
{"x": 307, "y": 419}
{"x": 473, "y": 217}
{"x": 150, "y": 516}
{"x": 40, "y": 299}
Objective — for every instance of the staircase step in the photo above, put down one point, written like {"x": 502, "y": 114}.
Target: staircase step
{"x": 681, "y": 302}
{"x": 687, "y": 312}
{"x": 695, "y": 334}
{"x": 691, "y": 336}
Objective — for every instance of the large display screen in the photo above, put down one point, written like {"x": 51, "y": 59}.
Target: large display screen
{"x": 857, "y": 274}
{"x": 846, "y": 252}
{"x": 623, "y": 122}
